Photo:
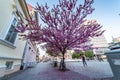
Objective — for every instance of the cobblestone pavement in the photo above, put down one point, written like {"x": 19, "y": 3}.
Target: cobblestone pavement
{"x": 95, "y": 69}
{"x": 45, "y": 71}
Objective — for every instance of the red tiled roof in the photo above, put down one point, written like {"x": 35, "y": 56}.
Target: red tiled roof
{"x": 30, "y": 8}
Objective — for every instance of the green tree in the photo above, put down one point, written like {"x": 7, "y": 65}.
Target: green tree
{"x": 89, "y": 54}
{"x": 75, "y": 55}
{"x": 81, "y": 53}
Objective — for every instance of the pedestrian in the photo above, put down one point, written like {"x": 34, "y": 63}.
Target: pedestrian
{"x": 84, "y": 60}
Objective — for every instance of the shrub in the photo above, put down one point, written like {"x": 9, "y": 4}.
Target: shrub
{"x": 75, "y": 55}
{"x": 89, "y": 54}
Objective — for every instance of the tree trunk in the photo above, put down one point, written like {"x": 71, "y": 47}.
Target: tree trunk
{"x": 62, "y": 66}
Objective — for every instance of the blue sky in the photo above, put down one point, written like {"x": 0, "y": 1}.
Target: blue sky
{"x": 106, "y": 13}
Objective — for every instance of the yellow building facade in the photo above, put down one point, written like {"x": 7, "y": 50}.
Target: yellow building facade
{"x": 11, "y": 48}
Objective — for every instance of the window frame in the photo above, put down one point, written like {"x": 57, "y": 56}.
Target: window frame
{"x": 9, "y": 65}
{"x": 12, "y": 34}
{"x": 4, "y": 33}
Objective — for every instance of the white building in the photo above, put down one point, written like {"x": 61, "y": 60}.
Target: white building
{"x": 30, "y": 52}
{"x": 100, "y": 45}
{"x": 116, "y": 40}
{"x": 11, "y": 48}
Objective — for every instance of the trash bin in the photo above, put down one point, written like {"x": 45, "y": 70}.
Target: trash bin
{"x": 113, "y": 57}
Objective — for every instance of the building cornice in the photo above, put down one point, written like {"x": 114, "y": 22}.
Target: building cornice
{"x": 10, "y": 58}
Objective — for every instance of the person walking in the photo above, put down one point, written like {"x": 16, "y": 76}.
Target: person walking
{"x": 84, "y": 61}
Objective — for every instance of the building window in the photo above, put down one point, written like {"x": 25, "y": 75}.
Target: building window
{"x": 9, "y": 64}
{"x": 11, "y": 35}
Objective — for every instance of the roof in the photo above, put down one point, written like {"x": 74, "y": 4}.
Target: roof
{"x": 30, "y": 7}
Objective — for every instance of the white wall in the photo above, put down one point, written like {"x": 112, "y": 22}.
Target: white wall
{"x": 8, "y": 53}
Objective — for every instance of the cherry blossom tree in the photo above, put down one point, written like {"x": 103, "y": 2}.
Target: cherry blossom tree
{"x": 65, "y": 26}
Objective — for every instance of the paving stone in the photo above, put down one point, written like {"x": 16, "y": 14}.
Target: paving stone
{"x": 45, "y": 71}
